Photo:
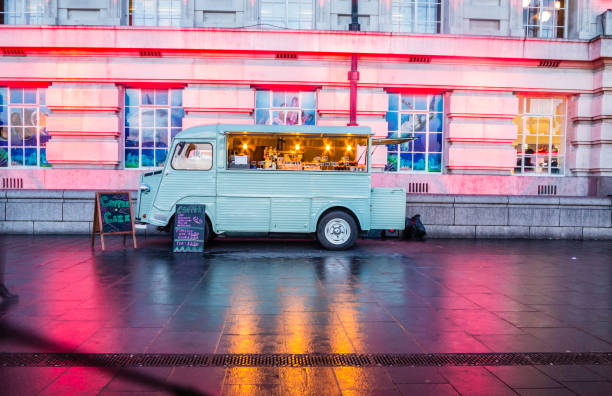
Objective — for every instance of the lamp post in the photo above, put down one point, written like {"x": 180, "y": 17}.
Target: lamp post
{"x": 353, "y": 75}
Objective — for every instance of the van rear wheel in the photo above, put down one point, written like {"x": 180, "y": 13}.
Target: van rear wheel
{"x": 337, "y": 230}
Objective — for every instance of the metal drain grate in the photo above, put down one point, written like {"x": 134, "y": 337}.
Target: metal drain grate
{"x": 419, "y": 188}
{"x": 547, "y": 189}
{"x": 549, "y": 63}
{"x": 286, "y": 55}
{"x": 119, "y": 360}
{"x": 12, "y": 183}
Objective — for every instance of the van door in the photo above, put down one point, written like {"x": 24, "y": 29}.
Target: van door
{"x": 189, "y": 177}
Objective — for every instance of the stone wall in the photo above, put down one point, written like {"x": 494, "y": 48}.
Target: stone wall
{"x": 587, "y": 18}
{"x": 482, "y": 216}
{"x": 49, "y": 212}
{"x": 445, "y": 216}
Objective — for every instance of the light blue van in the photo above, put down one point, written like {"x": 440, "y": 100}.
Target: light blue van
{"x": 273, "y": 179}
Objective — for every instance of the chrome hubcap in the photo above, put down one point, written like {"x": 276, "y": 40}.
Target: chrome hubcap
{"x": 337, "y": 231}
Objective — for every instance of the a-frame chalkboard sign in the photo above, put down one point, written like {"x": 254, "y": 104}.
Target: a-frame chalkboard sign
{"x": 189, "y": 228}
{"x": 113, "y": 216}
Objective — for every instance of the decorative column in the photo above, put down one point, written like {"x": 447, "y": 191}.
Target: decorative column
{"x": 212, "y": 104}
{"x": 481, "y": 132}
{"x": 590, "y": 134}
{"x": 188, "y": 13}
{"x": 83, "y": 124}
{"x": 372, "y": 104}
{"x": 515, "y": 18}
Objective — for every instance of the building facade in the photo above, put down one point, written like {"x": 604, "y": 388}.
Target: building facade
{"x": 505, "y": 97}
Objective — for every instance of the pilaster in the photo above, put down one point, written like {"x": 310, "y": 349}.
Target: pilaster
{"x": 83, "y": 124}
{"x": 591, "y": 133}
{"x": 481, "y": 132}
{"x": 212, "y": 104}
{"x": 188, "y": 16}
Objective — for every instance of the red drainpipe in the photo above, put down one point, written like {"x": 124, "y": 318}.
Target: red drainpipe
{"x": 353, "y": 75}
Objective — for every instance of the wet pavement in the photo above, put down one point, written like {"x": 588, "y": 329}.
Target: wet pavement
{"x": 291, "y": 297}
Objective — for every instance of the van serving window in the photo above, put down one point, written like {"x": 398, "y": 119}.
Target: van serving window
{"x": 297, "y": 152}
{"x": 192, "y": 156}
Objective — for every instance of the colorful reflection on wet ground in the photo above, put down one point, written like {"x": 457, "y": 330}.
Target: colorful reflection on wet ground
{"x": 273, "y": 296}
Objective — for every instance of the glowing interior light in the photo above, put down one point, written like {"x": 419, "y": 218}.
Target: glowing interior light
{"x": 348, "y": 148}
{"x": 557, "y": 4}
{"x": 297, "y": 146}
{"x": 526, "y": 3}
{"x": 327, "y": 148}
{"x": 546, "y": 16}
{"x": 244, "y": 146}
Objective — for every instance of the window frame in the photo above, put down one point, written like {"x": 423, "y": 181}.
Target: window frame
{"x": 170, "y": 129}
{"x": 302, "y": 138}
{"x": 563, "y": 137}
{"x": 412, "y": 5}
{"x": 212, "y": 156}
{"x": 271, "y": 108}
{"x": 23, "y": 13}
{"x": 40, "y": 108}
{"x": 155, "y": 14}
{"x": 286, "y": 18}
{"x": 427, "y": 112}
{"x": 555, "y": 27}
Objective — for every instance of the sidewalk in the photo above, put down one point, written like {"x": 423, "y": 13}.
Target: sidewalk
{"x": 291, "y": 297}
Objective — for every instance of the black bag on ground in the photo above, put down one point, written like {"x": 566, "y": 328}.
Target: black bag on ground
{"x": 414, "y": 228}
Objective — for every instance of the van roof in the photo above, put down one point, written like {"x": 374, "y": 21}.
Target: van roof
{"x": 199, "y": 131}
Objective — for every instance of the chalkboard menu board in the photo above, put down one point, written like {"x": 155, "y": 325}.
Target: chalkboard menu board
{"x": 189, "y": 228}
{"x": 113, "y": 215}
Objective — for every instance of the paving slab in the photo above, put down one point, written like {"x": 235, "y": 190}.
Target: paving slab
{"x": 268, "y": 297}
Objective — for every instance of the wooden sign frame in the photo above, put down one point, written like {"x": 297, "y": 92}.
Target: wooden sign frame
{"x": 98, "y": 225}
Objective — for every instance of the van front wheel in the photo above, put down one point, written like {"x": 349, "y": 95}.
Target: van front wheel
{"x": 337, "y": 231}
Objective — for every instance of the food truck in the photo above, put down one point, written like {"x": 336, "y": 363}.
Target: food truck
{"x": 257, "y": 179}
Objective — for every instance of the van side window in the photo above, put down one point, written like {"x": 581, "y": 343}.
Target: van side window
{"x": 297, "y": 152}
{"x": 192, "y": 156}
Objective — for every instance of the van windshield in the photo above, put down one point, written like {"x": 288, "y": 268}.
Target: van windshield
{"x": 192, "y": 156}
{"x": 297, "y": 152}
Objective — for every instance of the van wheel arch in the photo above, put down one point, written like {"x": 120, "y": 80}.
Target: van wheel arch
{"x": 211, "y": 234}
{"x": 341, "y": 209}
